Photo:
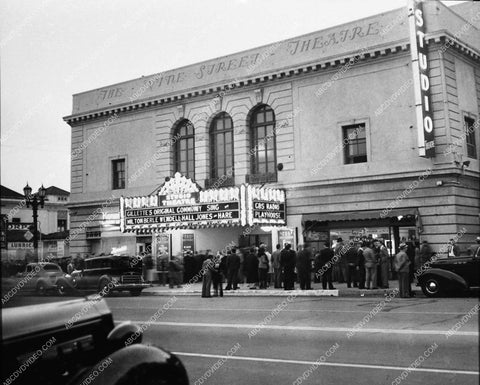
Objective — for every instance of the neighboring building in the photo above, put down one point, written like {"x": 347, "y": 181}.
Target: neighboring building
{"x": 365, "y": 135}
{"x": 53, "y": 224}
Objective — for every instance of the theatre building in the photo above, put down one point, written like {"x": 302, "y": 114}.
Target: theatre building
{"x": 366, "y": 129}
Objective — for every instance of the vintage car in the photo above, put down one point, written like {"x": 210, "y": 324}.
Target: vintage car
{"x": 76, "y": 342}
{"x": 109, "y": 273}
{"x": 450, "y": 275}
{"x": 39, "y": 277}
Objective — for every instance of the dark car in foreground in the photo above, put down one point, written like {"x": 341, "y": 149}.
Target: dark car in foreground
{"x": 110, "y": 273}
{"x": 450, "y": 275}
{"x": 75, "y": 342}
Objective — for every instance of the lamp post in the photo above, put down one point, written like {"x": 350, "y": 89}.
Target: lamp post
{"x": 35, "y": 200}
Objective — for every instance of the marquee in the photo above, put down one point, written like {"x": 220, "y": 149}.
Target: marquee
{"x": 181, "y": 204}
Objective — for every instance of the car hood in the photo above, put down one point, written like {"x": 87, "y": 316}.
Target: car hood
{"x": 450, "y": 261}
{"x": 30, "y": 319}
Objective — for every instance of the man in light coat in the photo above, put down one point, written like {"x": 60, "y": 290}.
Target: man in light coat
{"x": 370, "y": 267}
{"x": 277, "y": 268}
{"x": 402, "y": 266}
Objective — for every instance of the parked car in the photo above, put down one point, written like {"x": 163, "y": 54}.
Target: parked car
{"x": 76, "y": 342}
{"x": 452, "y": 274}
{"x": 39, "y": 277}
{"x": 110, "y": 273}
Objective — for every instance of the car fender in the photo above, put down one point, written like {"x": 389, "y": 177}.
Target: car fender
{"x": 45, "y": 281}
{"x": 445, "y": 274}
{"x": 105, "y": 277}
{"x": 125, "y": 334}
{"x": 140, "y": 362}
{"x": 69, "y": 283}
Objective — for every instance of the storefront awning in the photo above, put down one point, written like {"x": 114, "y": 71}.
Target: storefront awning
{"x": 359, "y": 215}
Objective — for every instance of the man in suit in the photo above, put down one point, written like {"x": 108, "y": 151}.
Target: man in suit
{"x": 453, "y": 249}
{"x": 233, "y": 265}
{"x": 304, "y": 266}
{"x": 287, "y": 260}
{"x": 474, "y": 250}
{"x": 351, "y": 261}
{"x": 326, "y": 262}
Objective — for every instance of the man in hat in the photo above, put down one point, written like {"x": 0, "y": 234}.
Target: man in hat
{"x": 288, "y": 260}
{"x": 402, "y": 266}
{"x": 277, "y": 268}
{"x": 304, "y": 266}
{"x": 325, "y": 262}
{"x": 474, "y": 250}
{"x": 453, "y": 250}
{"x": 425, "y": 252}
{"x": 340, "y": 267}
{"x": 233, "y": 265}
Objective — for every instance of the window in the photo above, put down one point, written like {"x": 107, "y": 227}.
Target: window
{"x": 185, "y": 149}
{"x": 61, "y": 225}
{"x": 469, "y": 125}
{"x": 263, "y": 143}
{"x": 51, "y": 267}
{"x": 355, "y": 140}
{"x": 118, "y": 170}
{"x": 221, "y": 145}
{"x": 15, "y": 220}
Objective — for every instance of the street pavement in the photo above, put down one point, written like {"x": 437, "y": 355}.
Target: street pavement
{"x": 312, "y": 340}
{"x": 341, "y": 290}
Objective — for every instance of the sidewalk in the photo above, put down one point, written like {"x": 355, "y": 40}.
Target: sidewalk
{"x": 243, "y": 291}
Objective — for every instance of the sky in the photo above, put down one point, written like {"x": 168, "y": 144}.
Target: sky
{"x": 52, "y": 49}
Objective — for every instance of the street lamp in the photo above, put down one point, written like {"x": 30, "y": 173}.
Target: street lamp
{"x": 35, "y": 200}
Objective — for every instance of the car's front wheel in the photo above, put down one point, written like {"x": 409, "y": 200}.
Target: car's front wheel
{"x": 62, "y": 288}
{"x": 432, "y": 287}
{"x": 104, "y": 287}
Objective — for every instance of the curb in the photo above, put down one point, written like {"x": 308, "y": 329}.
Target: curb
{"x": 248, "y": 293}
{"x": 278, "y": 293}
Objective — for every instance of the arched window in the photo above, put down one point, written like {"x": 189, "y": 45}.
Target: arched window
{"x": 185, "y": 149}
{"x": 263, "y": 144}
{"x": 221, "y": 145}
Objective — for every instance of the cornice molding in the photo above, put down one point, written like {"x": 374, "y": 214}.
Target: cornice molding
{"x": 397, "y": 47}
{"x": 282, "y": 73}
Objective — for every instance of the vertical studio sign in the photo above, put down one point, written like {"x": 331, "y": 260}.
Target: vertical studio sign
{"x": 421, "y": 80}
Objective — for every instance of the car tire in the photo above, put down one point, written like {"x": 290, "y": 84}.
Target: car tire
{"x": 40, "y": 288}
{"x": 63, "y": 288}
{"x": 135, "y": 293}
{"x": 432, "y": 287}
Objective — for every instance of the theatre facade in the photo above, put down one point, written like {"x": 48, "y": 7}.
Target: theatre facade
{"x": 366, "y": 129}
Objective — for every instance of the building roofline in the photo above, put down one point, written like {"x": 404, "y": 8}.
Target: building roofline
{"x": 8, "y": 193}
{"x": 239, "y": 52}
{"x": 54, "y": 190}
{"x": 390, "y": 33}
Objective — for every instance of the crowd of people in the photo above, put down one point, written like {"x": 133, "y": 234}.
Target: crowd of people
{"x": 364, "y": 265}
